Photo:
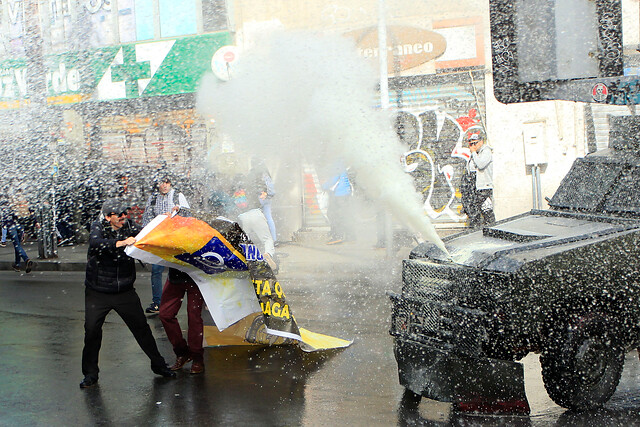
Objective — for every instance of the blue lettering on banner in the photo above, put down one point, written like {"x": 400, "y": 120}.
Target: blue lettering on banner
{"x": 251, "y": 252}
{"x": 214, "y": 257}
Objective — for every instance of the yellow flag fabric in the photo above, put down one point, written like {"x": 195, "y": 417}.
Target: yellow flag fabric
{"x": 245, "y": 299}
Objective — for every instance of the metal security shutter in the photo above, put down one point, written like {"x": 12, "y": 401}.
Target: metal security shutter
{"x": 434, "y": 114}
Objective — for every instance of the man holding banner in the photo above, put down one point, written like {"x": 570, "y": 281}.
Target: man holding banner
{"x": 243, "y": 296}
{"x": 109, "y": 280}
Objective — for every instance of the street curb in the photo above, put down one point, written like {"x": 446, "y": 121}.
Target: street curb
{"x": 54, "y": 265}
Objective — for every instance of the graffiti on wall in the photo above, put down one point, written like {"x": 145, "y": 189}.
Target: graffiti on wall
{"x": 436, "y": 156}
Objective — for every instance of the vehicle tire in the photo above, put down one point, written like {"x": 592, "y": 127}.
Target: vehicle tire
{"x": 581, "y": 370}
{"x": 408, "y": 411}
{"x": 410, "y": 400}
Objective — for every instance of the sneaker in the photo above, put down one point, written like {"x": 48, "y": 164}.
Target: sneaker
{"x": 15, "y": 267}
{"x": 153, "y": 308}
{"x": 3, "y": 244}
{"x": 29, "y": 266}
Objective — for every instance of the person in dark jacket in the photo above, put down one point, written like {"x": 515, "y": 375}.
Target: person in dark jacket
{"x": 109, "y": 280}
{"x": 15, "y": 232}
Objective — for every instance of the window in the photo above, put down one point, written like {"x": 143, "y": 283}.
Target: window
{"x": 127, "y": 21}
{"x": 214, "y": 15}
{"x": 177, "y": 17}
{"x": 144, "y": 19}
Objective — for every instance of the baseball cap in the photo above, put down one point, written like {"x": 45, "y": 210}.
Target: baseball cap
{"x": 113, "y": 206}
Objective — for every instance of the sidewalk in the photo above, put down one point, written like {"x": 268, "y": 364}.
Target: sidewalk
{"x": 310, "y": 256}
{"x": 70, "y": 258}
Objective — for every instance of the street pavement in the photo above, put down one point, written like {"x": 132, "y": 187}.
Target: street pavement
{"x": 337, "y": 290}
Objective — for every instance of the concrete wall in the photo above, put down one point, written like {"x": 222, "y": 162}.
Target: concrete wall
{"x": 564, "y": 141}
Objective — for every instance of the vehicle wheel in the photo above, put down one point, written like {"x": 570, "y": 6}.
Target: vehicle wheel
{"x": 582, "y": 369}
{"x": 410, "y": 400}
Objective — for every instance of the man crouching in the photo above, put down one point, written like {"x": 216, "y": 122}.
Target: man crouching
{"x": 109, "y": 286}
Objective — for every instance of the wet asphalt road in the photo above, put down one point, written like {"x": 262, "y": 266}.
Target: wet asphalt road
{"x": 41, "y": 318}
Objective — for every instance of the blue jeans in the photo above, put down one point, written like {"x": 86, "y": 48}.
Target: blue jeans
{"x": 15, "y": 234}
{"x": 156, "y": 283}
{"x": 266, "y": 210}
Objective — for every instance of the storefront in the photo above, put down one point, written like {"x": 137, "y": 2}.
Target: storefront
{"x": 118, "y": 115}
{"x": 437, "y": 91}
{"x": 434, "y": 113}
{"x": 140, "y": 96}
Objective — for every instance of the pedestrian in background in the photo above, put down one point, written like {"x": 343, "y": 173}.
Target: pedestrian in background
{"x": 4, "y": 209}
{"x": 221, "y": 201}
{"x": 165, "y": 200}
{"x": 109, "y": 280}
{"x": 25, "y": 215}
{"x": 477, "y": 182}
{"x": 339, "y": 208}
{"x": 14, "y": 231}
{"x": 178, "y": 284}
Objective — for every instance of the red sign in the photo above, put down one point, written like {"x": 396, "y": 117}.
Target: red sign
{"x": 600, "y": 92}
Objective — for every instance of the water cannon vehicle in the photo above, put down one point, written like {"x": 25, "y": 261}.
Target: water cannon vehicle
{"x": 562, "y": 282}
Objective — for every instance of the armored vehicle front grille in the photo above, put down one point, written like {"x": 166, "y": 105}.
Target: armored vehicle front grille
{"x": 439, "y": 282}
{"x": 433, "y": 309}
{"x": 441, "y": 324}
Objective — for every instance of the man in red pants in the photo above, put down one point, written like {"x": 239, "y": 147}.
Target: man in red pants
{"x": 179, "y": 283}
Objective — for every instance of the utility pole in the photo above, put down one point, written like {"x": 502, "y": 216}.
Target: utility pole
{"x": 38, "y": 138}
{"x": 36, "y": 72}
{"x": 384, "y": 103}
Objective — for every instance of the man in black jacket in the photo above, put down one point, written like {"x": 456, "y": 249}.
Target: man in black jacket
{"x": 109, "y": 286}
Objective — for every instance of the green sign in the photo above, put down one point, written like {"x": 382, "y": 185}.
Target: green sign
{"x": 155, "y": 68}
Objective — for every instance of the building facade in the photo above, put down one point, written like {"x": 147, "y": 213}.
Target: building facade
{"x": 120, "y": 80}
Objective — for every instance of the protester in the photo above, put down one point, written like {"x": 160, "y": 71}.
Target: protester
{"x": 221, "y": 199}
{"x": 178, "y": 283}
{"x": 25, "y": 216}
{"x": 109, "y": 280}
{"x": 254, "y": 223}
{"x": 164, "y": 201}
{"x": 261, "y": 186}
{"x": 477, "y": 182}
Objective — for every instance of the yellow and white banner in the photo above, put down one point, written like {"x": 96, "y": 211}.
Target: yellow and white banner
{"x": 246, "y": 301}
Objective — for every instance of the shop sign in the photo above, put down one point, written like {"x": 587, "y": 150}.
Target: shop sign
{"x": 407, "y": 47}
{"x": 165, "y": 67}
